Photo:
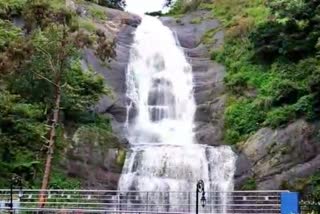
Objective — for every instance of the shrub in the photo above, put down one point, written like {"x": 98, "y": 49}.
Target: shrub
{"x": 306, "y": 107}
{"x": 242, "y": 118}
{"x": 183, "y": 6}
{"x": 249, "y": 184}
{"x": 284, "y": 91}
{"x": 293, "y": 33}
{"x": 11, "y": 7}
{"x": 280, "y": 116}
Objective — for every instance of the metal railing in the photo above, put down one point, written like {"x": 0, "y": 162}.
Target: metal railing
{"x": 104, "y": 201}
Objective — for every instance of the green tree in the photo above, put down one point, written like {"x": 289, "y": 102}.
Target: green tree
{"x": 43, "y": 79}
{"x": 293, "y": 32}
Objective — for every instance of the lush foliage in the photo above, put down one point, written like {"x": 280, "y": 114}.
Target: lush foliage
{"x": 11, "y": 7}
{"x": 271, "y": 54}
{"x": 249, "y": 184}
{"x": 293, "y": 33}
{"x": 182, "y": 6}
{"x": 31, "y": 60}
{"x": 117, "y": 4}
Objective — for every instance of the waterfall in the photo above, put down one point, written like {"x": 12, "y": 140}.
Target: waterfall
{"x": 164, "y": 155}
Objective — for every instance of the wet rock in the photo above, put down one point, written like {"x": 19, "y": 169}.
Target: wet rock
{"x": 203, "y": 113}
{"x": 209, "y": 122}
{"x": 208, "y": 134}
{"x": 207, "y": 75}
{"x": 243, "y": 170}
{"x": 133, "y": 22}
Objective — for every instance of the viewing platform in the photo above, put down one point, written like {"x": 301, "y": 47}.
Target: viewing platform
{"x": 108, "y": 201}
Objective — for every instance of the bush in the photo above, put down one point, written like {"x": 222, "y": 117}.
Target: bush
{"x": 280, "y": 116}
{"x": 283, "y": 91}
{"x": 59, "y": 180}
{"x": 241, "y": 119}
{"x": 8, "y": 34}
{"x": 11, "y": 7}
{"x": 240, "y": 14}
{"x": 306, "y": 107}
{"x": 183, "y": 6}
{"x": 293, "y": 33}
{"x": 232, "y": 136}
{"x": 249, "y": 184}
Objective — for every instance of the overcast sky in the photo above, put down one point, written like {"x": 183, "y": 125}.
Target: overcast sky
{"x": 142, "y": 6}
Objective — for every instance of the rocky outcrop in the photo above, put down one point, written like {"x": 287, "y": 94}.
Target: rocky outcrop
{"x": 119, "y": 25}
{"x": 208, "y": 76}
{"x": 95, "y": 157}
{"x": 275, "y": 158}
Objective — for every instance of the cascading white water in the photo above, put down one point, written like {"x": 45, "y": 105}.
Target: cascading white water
{"x": 160, "y": 85}
{"x": 164, "y": 155}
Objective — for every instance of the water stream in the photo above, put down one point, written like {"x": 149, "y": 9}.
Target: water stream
{"x": 164, "y": 155}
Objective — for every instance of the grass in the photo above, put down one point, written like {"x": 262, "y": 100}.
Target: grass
{"x": 196, "y": 20}
{"x": 97, "y": 12}
{"x": 208, "y": 37}
{"x": 87, "y": 24}
{"x": 229, "y": 11}
{"x": 183, "y": 6}
{"x": 57, "y": 4}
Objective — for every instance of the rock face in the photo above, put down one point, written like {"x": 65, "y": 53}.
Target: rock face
{"x": 121, "y": 26}
{"x": 95, "y": 157}
{"x": 208, "y": 76}
{"x": 275, "y": 158}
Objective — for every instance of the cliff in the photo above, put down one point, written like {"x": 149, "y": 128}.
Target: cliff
{"x": 260, "y": 99}
{"x": 93, "y": 157}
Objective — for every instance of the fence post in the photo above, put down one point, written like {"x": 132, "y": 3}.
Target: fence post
{"x": 290, "y": 203}
{"x": 118, "y": 202}
{"x": 189, "y": 202}
{"x": 147, "y": 202}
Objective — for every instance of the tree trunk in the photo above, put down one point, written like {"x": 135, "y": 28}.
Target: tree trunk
{"x": 52, "y": 138}
{"x": 61, "y": 58}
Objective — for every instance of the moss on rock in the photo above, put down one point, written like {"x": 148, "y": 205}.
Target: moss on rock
{"x": 95, "y": 136}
